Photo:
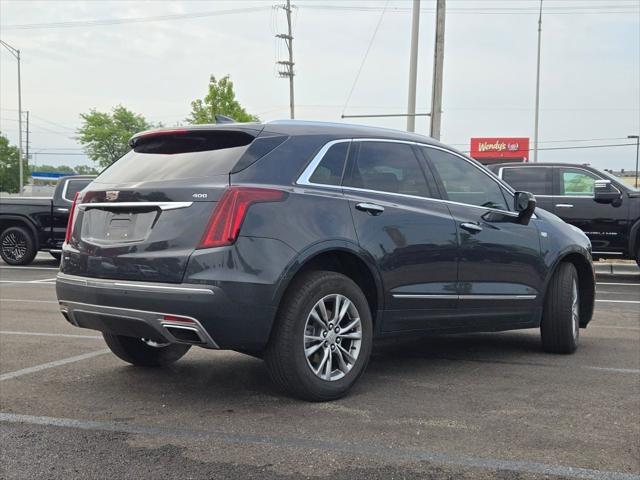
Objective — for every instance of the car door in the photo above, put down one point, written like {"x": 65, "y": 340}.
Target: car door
{"x": 500, "y": 268}
{"x": 604, "y": 224}
{"x": 537, "y": 179}
{"x": 411, "y": 236}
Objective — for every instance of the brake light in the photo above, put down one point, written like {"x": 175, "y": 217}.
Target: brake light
{"x": 226, "y": 220}
{"x": 71, "y": 220}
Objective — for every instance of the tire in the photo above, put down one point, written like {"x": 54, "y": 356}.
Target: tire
{"x": 144, "y": 353}
{"x": 296, "y": 334}
{"x": 57, "y": 256}
{"x": 638, "y": 256}
{"x": 560, "y": 326}
{"x": 17, "y": 246}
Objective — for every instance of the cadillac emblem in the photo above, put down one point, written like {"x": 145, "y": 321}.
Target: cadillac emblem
{"x": 112, "y": 195}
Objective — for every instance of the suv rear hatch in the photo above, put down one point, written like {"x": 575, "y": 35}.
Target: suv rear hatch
{"x": 146, "y": 214}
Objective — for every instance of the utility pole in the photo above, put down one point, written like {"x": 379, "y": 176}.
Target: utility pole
{"x": 287, "y": 71}
{"x": 537, "y": 113}
{"x": 637, "y": 138}
{"x": 413, "y": 66}
{"x": 438, "y": 70}
{"x": 16, "y": 53}
{"x": 26, "y": 150}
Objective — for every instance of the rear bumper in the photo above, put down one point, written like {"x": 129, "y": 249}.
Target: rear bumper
{"x": 196, "y": 314}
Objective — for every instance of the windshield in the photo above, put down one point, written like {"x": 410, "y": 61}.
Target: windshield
{"x": 627, "y": 184}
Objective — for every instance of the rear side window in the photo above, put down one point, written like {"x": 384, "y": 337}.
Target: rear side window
{"x": 330, "y": 168}
{"x": 388, "y": 167}
{"x": 179, "y": 156}
{"x": 536, "y": 180}
{"x": 73, "y": 187}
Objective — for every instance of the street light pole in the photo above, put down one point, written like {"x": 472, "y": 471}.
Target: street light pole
{"x": 537, "y": 112}
{"x": 16, "y": 53}
{"x": 637, "y": 137}
{"x": 413, "y": 66}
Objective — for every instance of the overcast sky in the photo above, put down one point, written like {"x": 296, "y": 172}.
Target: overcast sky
{"x": 590, "y": 81}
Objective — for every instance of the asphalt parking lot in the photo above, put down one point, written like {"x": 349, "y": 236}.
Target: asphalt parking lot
{"x": 466, "y": 406}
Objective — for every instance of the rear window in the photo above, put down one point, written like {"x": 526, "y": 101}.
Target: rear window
{"x": 536, "y": 180}
{"x": 73, "y": 187}
{"x": 179, "y": 156}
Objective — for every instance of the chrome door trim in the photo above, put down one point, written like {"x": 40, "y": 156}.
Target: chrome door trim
{"x": 464, "y": 297}
{"x": 160, "y": 205}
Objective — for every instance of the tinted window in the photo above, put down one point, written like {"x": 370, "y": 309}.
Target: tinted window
{"x": 74, "y": 186}
{"x": 329, "y": 171}
{"x": 388, "y": 167}
{"x": 139, "y": 167}
{"x": 465, "y": 183}
{"x": 576, "y": 182}
{"x": 536, "y": 180}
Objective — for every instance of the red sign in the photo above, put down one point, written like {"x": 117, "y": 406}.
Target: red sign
{"x": 498, "y": 148}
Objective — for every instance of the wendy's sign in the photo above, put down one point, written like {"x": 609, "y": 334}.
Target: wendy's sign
{"x": 500, "y": 149}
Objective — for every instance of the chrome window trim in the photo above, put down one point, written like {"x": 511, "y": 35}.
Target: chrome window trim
{"x": 161, "y": 205}
{"x": 464, "y": 297}
{"x": 303, "y": 179}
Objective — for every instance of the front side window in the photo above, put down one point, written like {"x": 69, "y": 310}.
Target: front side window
{"x": 536, "y": 180}
{"x": 576, "y": 182}
{"x": 464, "y": 183}
{"x": 388, "y": 167}
{"x": 329, "y": 170}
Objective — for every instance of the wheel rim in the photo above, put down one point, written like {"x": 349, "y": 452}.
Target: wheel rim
{"x": 575, "y": 310}
{"x": 14, "y": 246}
{"x": 332, "y": 337}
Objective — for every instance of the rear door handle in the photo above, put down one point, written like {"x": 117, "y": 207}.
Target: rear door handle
{"x": 564, "y": 205}
{"x": 371, "y": 208}
{"x": 471, "y": 227}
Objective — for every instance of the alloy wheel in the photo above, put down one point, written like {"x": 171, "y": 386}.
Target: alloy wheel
{"x": 332, "y": 337}
{"x": 14, "y": 246}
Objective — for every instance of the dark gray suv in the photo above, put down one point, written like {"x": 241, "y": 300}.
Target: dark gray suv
{"x": 301, "y": 242}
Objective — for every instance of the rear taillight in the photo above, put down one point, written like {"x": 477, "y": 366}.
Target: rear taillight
{"x": 72, "y": 215}
{"x": 226, "y": 220}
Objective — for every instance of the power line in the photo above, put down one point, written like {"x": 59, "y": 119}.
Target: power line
{"x": 364, "y": 59}
{"x": 121, "y": 21}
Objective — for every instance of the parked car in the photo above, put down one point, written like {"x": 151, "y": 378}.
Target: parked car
{"x": 598, "y": 203}
{"x": 29, "y": 224}
{"x": 301, "y": 242}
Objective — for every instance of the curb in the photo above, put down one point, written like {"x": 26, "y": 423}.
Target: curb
{"x": 616, "y": 269}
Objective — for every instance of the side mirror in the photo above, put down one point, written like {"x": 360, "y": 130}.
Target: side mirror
{"x": 605, "y": 192}
{"x": 524, "y": 203}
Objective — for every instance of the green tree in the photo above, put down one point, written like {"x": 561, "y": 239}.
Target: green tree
{"x": 9, "y": 167}
{"x": 220, "y": 100}
{"x": 105, "y": 136}
{"x": 86, "y": 170}
{"x": 51, "y": 168}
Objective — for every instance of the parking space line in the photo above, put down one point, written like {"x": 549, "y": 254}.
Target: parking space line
{"x": 614, "y": 326}
{"x": 43, "y": 334}
{"x": 617, "y": 370}
{"x": 619, "y": 301}
{"x": 56, "y": 363}
{"x": 29, "y": 282}
{"x": 619, "y": 283}
{"x": 7, "y": 267}
{"x": 20, "y": 300}
{"x": 364, "y": 448}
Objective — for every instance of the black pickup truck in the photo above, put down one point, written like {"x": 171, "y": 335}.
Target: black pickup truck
{"x": 598, "y": 203}
{"x": 29, "y": 224}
